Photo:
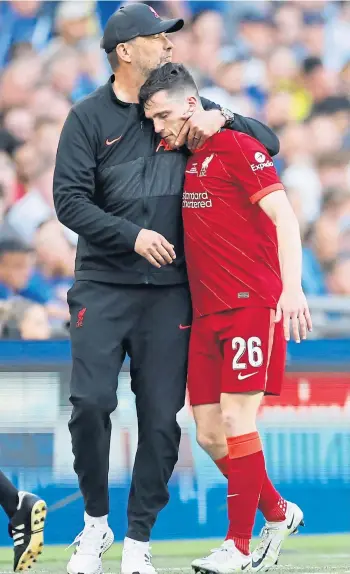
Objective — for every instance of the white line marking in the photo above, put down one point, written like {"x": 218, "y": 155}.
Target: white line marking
{"x": 184, "y": 569}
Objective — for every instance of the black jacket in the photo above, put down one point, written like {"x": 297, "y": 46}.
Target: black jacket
{"x": 114, "y": 177}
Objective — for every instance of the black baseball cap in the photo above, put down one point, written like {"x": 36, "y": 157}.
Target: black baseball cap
{"x": 135, "y": 20}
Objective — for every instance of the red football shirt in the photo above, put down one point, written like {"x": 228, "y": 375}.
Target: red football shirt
{"x": 230, "y": 243}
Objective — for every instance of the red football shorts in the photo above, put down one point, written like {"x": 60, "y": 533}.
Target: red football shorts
{"x": 237, "y": 351}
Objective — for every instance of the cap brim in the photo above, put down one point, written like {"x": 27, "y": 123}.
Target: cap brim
{"x": 169, "y": 26}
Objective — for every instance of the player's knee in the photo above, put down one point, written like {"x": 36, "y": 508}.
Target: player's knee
{"x": 209, "y": 440}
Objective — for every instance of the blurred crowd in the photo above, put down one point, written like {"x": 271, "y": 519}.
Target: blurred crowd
{"x": 285, "y": 63}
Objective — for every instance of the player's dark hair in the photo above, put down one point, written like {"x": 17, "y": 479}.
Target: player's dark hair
{"x": 170, "y": 77}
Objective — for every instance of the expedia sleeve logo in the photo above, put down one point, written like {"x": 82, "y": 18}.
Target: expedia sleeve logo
{"x": 262, "y": 163}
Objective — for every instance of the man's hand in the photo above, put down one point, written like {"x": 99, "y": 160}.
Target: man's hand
{"x": 199, "y": 126}
{"x": 154, "y": 247}
{"x": 292, "y": 306}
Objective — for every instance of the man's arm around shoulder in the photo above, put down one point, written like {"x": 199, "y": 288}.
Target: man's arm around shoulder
{"x": 251, "y": 127}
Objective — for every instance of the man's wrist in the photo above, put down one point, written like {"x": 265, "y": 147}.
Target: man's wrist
{"x": 228, "y": 117}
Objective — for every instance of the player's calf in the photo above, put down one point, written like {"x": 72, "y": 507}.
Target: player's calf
{"x": 246, "y": 465}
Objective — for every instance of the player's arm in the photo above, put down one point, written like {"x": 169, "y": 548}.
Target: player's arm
{"x": 292, "y": 304}
{"x": 248, "y": 161}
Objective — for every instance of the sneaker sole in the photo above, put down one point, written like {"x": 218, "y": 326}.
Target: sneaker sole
{"x": 205, "y": 570}
{"x": 99, "y": 571}
{"x": 36, "y": 543}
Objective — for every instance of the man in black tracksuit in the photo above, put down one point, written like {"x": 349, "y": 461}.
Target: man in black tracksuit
{"x": 119, "y": 187}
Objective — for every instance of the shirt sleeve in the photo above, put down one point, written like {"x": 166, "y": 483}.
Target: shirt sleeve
{"x": 249, "y": 162}
{"x": 74, "y": 192}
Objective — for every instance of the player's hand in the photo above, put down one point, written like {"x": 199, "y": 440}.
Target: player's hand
{"x": 199, "y": 126}
{"x": 154, "y": 247}
{"x": 293, "y": 309}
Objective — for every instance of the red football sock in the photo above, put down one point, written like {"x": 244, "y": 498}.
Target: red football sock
{"x": 271, "y": 503}
{"x": 223, "y": 464}
{"x": 245, "y": 479}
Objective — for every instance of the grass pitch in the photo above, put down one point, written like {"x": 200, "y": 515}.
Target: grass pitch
{"x": 301, "y": 554}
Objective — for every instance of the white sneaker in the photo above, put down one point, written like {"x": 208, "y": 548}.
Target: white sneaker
{"x": 224, "y": 560}
{"x": 137, "y": 557}
{"x": 91, "y": 543}
{"x": 272, "y": 537}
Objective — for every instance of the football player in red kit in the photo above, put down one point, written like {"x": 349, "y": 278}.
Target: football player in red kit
{"x": 243, "y": 254}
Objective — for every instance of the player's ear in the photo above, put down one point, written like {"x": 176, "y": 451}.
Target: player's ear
{"x": 191, "y": 107}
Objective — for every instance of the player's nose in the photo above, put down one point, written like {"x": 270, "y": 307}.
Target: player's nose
{"x": 158, "y": 126}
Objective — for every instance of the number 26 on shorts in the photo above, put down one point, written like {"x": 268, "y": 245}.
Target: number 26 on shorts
{"x": 254, "y": 352}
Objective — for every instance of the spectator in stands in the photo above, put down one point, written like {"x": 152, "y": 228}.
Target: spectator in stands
{"x": 46, "y": 135}
{"x": 18, "y": 81}
{"x": 289, "y": 27}
{"x": 229, "y": 90}
{"x": 329, "y": 226}
{"x": 28, "y": 21}
{"x": 20, "y": 277}
{"x": 16, "y": 266}
{"x": 55, "y": 258}
{"x": 333, "y": 170}
{"x": 8, "y": 142}
{"x": 338, "y": 275}
{"x": 27, "y": 321}
{"x": 319, "y": 82}
{"x": 46, "y": 103}
{"x": 7, "y": 178}
{"x": 19, "y": 122}
{"x": 207, "y": 33}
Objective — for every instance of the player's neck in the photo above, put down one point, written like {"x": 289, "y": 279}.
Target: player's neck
{"x": 127, "y": 84}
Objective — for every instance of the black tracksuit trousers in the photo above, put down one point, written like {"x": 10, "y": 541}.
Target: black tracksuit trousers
{"x": 108, "y": 321}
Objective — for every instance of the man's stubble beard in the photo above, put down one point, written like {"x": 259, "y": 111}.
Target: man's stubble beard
{"x": 146, "y": 72}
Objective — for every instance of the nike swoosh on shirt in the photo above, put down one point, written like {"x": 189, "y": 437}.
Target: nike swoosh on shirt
{"x": 231, "y": 495}
{"x": 245, "y": 566}
{"x": 110, "y": 142}
{"x": 182, "y": 327}
{"x": 242, "y": 377}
